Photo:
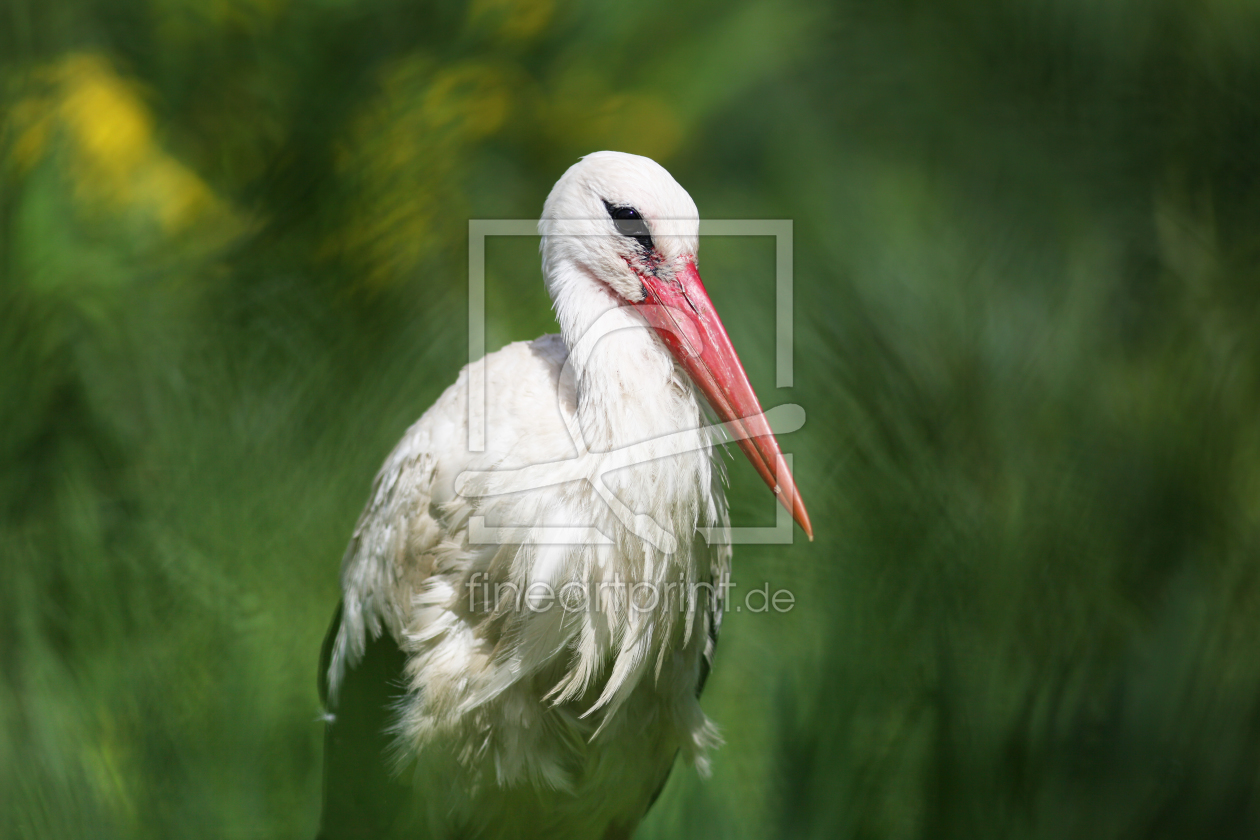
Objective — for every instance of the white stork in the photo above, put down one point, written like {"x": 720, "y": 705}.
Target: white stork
{"x": 541, "y": 685}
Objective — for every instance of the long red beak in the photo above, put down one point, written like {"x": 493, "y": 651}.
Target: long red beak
{"x": 686, "y": 320}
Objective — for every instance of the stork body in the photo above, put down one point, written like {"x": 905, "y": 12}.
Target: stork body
{"x": 525, "y": 629}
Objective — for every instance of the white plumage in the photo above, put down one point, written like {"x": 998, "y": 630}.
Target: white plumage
{"x": 520, "y": 714}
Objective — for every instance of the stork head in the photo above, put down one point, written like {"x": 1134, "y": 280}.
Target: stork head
{"x": 623, "y": 229}
{"x": 619, "y": 217}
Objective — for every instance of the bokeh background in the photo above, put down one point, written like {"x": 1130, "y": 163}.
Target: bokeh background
{"x": 233, "y": 262}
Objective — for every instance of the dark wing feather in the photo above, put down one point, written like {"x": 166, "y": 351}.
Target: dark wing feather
{"x": 706, "y": 661}
{"x": 363, "y": 798}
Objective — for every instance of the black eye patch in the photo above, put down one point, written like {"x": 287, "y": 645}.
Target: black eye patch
{"x": 629, "y": 223}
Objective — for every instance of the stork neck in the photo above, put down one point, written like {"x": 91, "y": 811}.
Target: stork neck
{"x": 628, "y": 388}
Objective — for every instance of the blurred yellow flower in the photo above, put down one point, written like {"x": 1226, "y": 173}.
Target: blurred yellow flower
{"x": 585, "y": 115}
{"x": 404, "y": 159}
{"x": 115, "y": 162}
{"x": 513, "y": 20}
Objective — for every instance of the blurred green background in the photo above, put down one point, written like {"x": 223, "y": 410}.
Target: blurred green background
{"x": 233, "y": 261}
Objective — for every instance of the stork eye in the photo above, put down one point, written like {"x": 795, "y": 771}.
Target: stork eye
{"x": 629, "y": 223}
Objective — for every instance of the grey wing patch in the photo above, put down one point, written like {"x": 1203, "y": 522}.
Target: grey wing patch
{"x": 387, "y": 554}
